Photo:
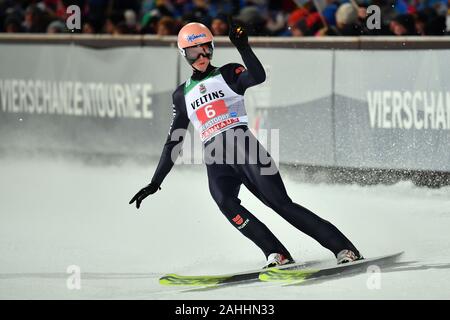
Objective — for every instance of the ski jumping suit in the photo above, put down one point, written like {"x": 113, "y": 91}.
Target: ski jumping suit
{"x": 214, "y": 102}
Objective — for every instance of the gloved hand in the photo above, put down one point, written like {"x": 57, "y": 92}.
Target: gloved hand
{"x": 237, "y": 34}
{"x": 144, "y": 192}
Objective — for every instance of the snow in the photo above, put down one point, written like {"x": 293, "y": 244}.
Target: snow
{"x": 59, "y": 213}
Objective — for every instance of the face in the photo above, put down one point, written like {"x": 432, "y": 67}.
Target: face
{"x": 29, "y": 19}
{"x": 109, "y": 27}
{"x": 12, "y": 28}
{"x": 201, "y": 56}
{"x": 397, "y": 28}
{"x": 52, "y": 30}
{"x": 296, "y": 32}
{"x": 219, "y": 28}
{"x": 420, "y": 27}
{"x": 88, "y": 28}
{"x": 201, "y": 63}
{"x": 163, "y": 30}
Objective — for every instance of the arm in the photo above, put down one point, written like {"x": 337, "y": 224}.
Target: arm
{"x": 179, "y": 121}
{"x": 240, "y": 77}
{"x": 255, "y": 71}
{"x": 166, "y": 162}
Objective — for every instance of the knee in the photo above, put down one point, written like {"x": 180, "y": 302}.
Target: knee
{"x": 227, "y": 203}
{"x": 281, "y": 205}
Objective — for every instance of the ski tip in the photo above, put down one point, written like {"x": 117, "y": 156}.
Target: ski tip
{"x": 168, "y": 279}
{"x": 180, "y": 280}
{"x": 274, "y": 274}
{"x": 398, "y": 254}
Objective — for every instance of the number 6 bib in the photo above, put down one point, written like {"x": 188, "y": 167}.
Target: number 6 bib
{"x": 213, "y": 107}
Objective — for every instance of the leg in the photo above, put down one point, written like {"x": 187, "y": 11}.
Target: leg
{"x": 224, "y": 185}
{"x": 270, "y": 190}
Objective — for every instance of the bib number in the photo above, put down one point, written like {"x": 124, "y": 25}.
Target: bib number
{"x": 211, "y": 110}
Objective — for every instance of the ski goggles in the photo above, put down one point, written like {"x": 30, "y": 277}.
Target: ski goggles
{"x": 193, "y": 53}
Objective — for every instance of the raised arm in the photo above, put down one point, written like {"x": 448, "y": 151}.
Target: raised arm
{"x": 239, "y": 77}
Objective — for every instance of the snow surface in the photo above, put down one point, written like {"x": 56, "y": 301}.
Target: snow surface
{"x": 54, "y": 214}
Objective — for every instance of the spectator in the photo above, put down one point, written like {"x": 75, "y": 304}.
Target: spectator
{"x": 198, "y": 13}
{"x": 36, "y": 20}
{"x": 12, "y": 24}
{"x": 436, "y": 26}
{"x": 403, "y": 25}
{"x": 122, "y": 28}
{"x": 225, "y": 6}
{"x": 387, "y": 11}
{"x": 278, "y": 13}
{"x": 439, "y": 6}
{"x": 314, "y": 23}
{"x": 166, "y": 27}
{"x": 89, "y": 26}
{"x": 56, "y": 26}
{"x": 429, "y": 22}
{"x": 163, "y": 7}
{"x": 380, "y": 30}
{"x": 293, "y": 22}
{"x": 296, "y": 16}
{"x": 122, "y": 5}
{"x": 130, "y": 20}
{"x": 299, "y": 29}
{"x": 276, "y": 23}
{"x": 261, "y": 17}
{"x": 112, "y": 21}
{"x": 329, "y": 13}
{"x": 347, "y": 21}
{"x": 219, "y": 25}
{"x": 285, "y": 6}
{"x": 149, "y": 22}
{"x": 251, "y": 18}
{"x": 421, "y": 19}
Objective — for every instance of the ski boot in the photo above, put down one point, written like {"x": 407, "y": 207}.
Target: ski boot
{"x": 346, "y": 256}
{"x": 277, "y": 259}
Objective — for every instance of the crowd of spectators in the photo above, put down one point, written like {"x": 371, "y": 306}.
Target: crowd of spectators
{"x": 260, "y": 17}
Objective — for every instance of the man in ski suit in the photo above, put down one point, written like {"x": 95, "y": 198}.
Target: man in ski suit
{"x": 213, "y": 100}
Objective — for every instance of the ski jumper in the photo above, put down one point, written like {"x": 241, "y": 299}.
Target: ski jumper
{"x": 214, "y": 102}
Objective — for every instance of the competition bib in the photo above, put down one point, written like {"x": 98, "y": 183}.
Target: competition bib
{"x": 212, "y": 106}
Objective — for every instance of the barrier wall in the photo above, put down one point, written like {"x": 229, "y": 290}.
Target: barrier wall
{"x": 334, "y": 104}
{"x": 385, "y": 109}
{"x": 397, "y": 112}
{"x": 66, "y": 97}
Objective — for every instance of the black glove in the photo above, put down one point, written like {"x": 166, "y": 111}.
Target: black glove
{"x": 237, "y": 34}
{"x": 143, "y": 193}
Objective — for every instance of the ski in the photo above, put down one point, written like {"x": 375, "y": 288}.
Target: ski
{"x": 296, "y": 277}
{"x": 215, "y": 280}
{"x": 292, "y": 274}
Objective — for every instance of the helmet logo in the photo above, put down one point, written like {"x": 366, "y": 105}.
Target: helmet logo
{"x": 193, "y": 37}
{"x": 202, "y": 88}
